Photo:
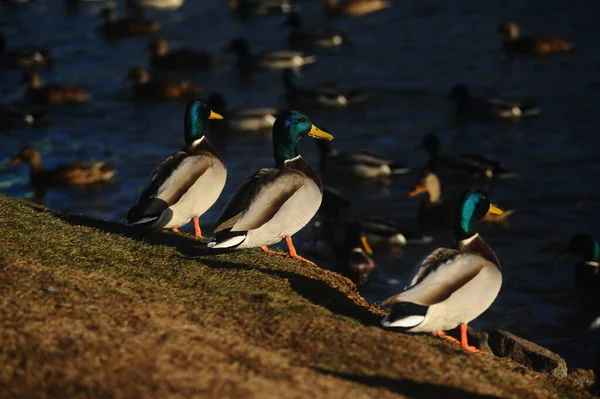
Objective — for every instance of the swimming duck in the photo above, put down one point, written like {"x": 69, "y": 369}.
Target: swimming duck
{"x": 587, "y": 271}
{"x": 475, "y": 165}
{"x": 530, "y": 45}
{"x": 23, "y": 58}
{"x": 305, "y": 39}
{"x": 180, "y": 59}
{"x": 271, "y": 60}
{"x": 187, "y": 183}
{"x": 451, "y": 287}
{"x": 354, "y": 8}
{"x": 114, "y": 28}
{"x": 52, "y": 93}
{"x": 337, "y": 212}
{"x": 471, "y": 107}
{"x": 70, "y": 174}
{"x": 357, "y": 164}
{"x": 157, "y": 4}
{"x": 329, "y": 96}
{"x": 274, "y": 203}
{"x": 243, "y": 119}
{"x": 261, "y": 8}
{"x": 158, "y": 89}
{"x": 433, "y": 210}
{"x": 352, "y": 258}
{"x": 19, "y": 115}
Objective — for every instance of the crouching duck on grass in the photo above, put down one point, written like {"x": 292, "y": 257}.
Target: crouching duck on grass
{"x": 451, "y": 287}
{"x": 187, "y": 183}
{"x": 274, "y": 203}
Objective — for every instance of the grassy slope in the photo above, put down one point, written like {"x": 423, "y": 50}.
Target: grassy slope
{"x": 89, "y": 308}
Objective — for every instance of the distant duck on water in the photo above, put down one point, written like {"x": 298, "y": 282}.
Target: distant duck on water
{"x": 181, "y": 59}
{"x": 535, "y": 46}
{"x": 451, "y": 287}
{"x": 314, "y": 37}
{"x": 587, "y": 271}
{"x": 326, "y": 96}
{"x": 261, "y": 8}
{"x": 114, "y": 28}
{"x": 247, "y": 63}
{"x": 354, "y": 8}
{"x": 474, "y": 165}
{"x": 145, "y": 88}
{"x": 274, "y": 203}
{"x": 242, "y": 119}
{"x": 187, "y": 183}
{"x": 25, "y": 58}
{"x": 470, "y": 107}
{"x": 70, "y": 174}
{"x": 52, "y": 93}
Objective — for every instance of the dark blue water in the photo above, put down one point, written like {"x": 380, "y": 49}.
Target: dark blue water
{"x": 407, "y": 58}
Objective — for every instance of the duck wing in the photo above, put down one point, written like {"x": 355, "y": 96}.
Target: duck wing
{"x": 438, "y": 276}
{"x": 168, "y": 183}
{"x": 256, "y": 201}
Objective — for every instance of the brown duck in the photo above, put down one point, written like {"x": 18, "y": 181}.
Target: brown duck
{"x": 180, "y": 59}
{"x": 441, "y": 213}
{"x": 52, "y": 93}
{"x": 354, "y": 8}
{"x": 158, "y": 89}
{"x": 530, "y": 45}
{"x": 70, "y": 174}
{"x": 125, "y": 27}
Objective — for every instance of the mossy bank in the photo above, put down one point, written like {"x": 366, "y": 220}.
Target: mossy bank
{"x": 92, "y": 309}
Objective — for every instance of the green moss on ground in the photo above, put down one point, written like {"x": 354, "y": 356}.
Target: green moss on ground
{"x": 92, "y": 309}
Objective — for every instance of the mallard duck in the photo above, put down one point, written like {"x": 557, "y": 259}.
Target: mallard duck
{"x": 354, "y": 8}
{"x": 328, "y": 96}
{"x": 475, "y": 165}
{"x": 114, "y": 28}
{"x": 243, "y": 119}
{"x": 18, "y": 115}
{"x": 451, "y": 287}
{"x": 337, "y": 211}
{"x": 530, "y": 45}
{"x": 23, "y": 58}
{"x": 261, "y": 8}
{"x": 587, "y": 271}
{"x": 158, "y": 89}
{"x": 70, "y": 174}
{"x": 274, "y": 203}
{"x": 471, "y": 107}
{"x": 157, "y": 4}
{"x": 305, "y": 39}
{"x": 52, "y": 93}
{"x": 357, "y": 164}
{"x": 433, "y": 210}
{"x": 187, "y": 183}
{"x": 180, "y": 59}
{"x": 271, "y": 60}
{"x": 352, "y": 258}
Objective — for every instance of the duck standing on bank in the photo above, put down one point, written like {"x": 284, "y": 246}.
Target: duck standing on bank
{"x": 451, "y": 287}
{"x": 187, "y": 183}
{"x": 274, "y": 203}
{"x": 587, "y": 271}
{"x": 70, "y": 174}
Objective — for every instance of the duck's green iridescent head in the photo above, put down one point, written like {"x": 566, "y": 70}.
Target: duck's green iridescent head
{"x": 583, "y": 245}
{"x": 472, "y": 207}
{"x": 290, "y": 127}
{"x": 197, "y": 113}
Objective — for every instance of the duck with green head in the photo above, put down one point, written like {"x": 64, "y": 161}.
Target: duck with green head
{"x": 187, "y": 183}
{"x": 274, "y": 203}
{"x": 587, "y": 271}
{"x": 451, "y": 287}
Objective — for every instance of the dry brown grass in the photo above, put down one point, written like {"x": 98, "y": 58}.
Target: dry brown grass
{"x": 91, "y": 309}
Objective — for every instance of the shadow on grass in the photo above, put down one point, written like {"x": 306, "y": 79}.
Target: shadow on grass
{"x": 316, "y": 291}
{"x": 413, "y": 389}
